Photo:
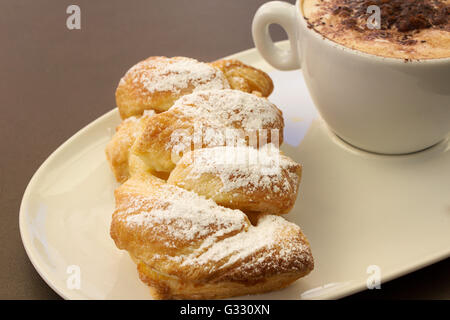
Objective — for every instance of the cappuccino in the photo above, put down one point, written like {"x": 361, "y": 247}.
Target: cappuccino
{"x": 406, "y": 29}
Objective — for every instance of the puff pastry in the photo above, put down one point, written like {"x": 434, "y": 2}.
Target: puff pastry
{"x": 252, "y": 180}
{"x": 118, "y": 148}
{"x": 188, "y": 247}
{"x": 203, "y": 181}
{"x": 207, "y": 119}
{"x": 244, "y": 77}
{"x": 157, "y": 82}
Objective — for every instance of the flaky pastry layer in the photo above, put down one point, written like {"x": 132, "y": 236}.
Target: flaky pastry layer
{"x": 252, "y": 180}
{"x": 187, "y": 246}
{"x": 157, "y": 82}
{"x": 207, "y": 119}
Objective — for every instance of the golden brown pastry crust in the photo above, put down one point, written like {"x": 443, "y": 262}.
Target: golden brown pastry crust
{"x": 166, "y": 287}
{"x": 262, "y": 181}
{"x": 139, "y": 91}
{"x": 118, "y": 148}
{"x": 169, "y": 134}
{"x": 157, "y": 82}
{"x": 243, "y": 77}
{"x": 191, "y": 248}
{"x": 185, "y": 245}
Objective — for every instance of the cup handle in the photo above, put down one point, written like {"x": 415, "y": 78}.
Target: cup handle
{"x": 283, "y": 14}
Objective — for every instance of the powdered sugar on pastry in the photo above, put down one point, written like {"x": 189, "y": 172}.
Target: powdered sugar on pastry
{"x": 229, "y": 108}
{"x": 265, "y": 243}
{"x": 190, "y": 242}
{"x": 180, "y": 215}
{"x": 245, "y": 167}
{"x": 218, "y": 238}
{"x": 159, "y": 74}
{"x": 137, "y": 121}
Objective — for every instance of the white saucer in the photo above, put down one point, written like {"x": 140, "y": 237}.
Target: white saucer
{"x": 357, "y": 209}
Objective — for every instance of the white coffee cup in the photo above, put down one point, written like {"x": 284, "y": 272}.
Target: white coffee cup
{"x": 382, "y": 105}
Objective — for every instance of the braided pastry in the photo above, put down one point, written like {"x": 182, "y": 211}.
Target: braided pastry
{"x": 204, "y": 181}
{"x": 188, "y": 247}
{"x": 157, "y": 82}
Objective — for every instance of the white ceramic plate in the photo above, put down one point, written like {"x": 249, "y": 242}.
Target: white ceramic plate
{"x": 357, "y": 209}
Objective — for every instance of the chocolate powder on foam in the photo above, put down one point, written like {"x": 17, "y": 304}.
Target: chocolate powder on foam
{"x": 400, "y": 19}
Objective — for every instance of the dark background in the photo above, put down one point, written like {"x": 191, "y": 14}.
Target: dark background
{"x": 54, "y": 81}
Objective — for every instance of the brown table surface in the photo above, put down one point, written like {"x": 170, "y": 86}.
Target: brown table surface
{"x": 54, "y": 81}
